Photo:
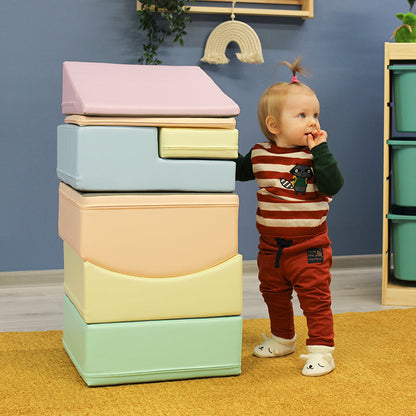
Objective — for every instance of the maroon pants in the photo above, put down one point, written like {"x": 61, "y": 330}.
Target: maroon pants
{"x": 303, "y": 265}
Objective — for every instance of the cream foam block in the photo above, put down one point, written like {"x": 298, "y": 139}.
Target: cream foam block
{"x": 146, "y": 90}
{"x": 198, "y": 143}
{"x": 150, "y": 235}
{"x": 135, "y": 352}
{"x": 206, "y": 122}
{"x": 101, "y": 295}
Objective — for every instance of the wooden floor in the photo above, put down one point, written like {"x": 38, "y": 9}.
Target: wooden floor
{"x": 33, "y": 301}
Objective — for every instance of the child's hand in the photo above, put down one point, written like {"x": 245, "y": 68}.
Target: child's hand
{"x": 316, "y": 137}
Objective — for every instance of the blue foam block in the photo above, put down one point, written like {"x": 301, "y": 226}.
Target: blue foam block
{"x": 114, "y": 158}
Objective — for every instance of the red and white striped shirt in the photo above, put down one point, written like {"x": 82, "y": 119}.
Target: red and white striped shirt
{"x": 289, "y": 202}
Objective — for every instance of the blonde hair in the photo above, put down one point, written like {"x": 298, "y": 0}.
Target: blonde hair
{"x": 273, "y": 99}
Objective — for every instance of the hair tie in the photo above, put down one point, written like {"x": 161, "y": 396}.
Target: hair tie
{"x": 295, "y": 78}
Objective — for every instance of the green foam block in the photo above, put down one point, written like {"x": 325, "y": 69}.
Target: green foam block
{"x": 144, "y": 351}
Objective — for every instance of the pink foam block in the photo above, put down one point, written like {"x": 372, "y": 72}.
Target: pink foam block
{"x": 142, "y": 90}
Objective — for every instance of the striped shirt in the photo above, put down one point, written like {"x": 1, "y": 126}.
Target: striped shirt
{"x": 289, "y": 202}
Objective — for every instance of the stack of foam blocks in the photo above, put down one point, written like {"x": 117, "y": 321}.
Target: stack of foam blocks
{"x": 149, "y": 220}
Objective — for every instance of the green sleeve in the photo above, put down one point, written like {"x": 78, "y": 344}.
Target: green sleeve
{"x": 244, "y": 168}
{"x": 328, "y": 177}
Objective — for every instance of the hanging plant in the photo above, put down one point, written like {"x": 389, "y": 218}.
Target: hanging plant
{"x": 161, "y": 19}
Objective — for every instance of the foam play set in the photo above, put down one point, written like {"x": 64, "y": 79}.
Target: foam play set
{"x": 149, "y": 221}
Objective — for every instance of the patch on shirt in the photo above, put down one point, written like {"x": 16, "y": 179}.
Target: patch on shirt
{"x": 301, "y": 175}
{"x": 315, "y": 255}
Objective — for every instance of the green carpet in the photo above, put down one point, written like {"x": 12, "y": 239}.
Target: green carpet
{"x": 375, "y": 374}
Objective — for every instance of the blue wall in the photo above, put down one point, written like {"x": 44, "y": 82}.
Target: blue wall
{"x": 343, "y": 48}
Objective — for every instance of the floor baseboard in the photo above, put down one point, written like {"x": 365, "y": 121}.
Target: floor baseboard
{"x": 31, "y": 277}
{"x": 354, "y": 262}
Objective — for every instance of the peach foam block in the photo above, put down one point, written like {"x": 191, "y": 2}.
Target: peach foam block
{"x": 150, "y": 235}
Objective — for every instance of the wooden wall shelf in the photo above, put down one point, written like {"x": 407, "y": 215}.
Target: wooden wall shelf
{"x": 297, "y": 8}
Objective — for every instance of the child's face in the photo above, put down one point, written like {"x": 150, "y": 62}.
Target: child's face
{"x": 299, "y": 116}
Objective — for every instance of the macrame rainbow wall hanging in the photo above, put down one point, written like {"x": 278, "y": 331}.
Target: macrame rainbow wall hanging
{"x": 233, "y": 31}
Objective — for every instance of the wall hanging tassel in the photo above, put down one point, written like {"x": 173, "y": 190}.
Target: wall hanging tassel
{"x": 233, "y": 31}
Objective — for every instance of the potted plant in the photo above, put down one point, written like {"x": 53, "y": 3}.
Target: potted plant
{"x": 161, "y": 19}
{"x": 407, "y": 31}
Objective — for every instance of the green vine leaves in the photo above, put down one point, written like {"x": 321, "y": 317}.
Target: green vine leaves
{"x": 159, "y": 20}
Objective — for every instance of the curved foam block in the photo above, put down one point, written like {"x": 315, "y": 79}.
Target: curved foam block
{"x": 198, "y": 143}
{"x": 150, "y": 235}
{"x": 135, "y": 352}
{"x": 147, "y": 90}
{"x": 101, "y": 295}
{"x": 127, "y": 159}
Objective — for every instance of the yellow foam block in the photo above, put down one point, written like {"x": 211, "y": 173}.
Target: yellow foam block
{"x": 101, "y": 295}
{"x": 198, "y": 143}
{"x": 150, "y": 235}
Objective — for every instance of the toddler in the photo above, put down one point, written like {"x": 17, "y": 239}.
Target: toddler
{"x": 297, "y": 177}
